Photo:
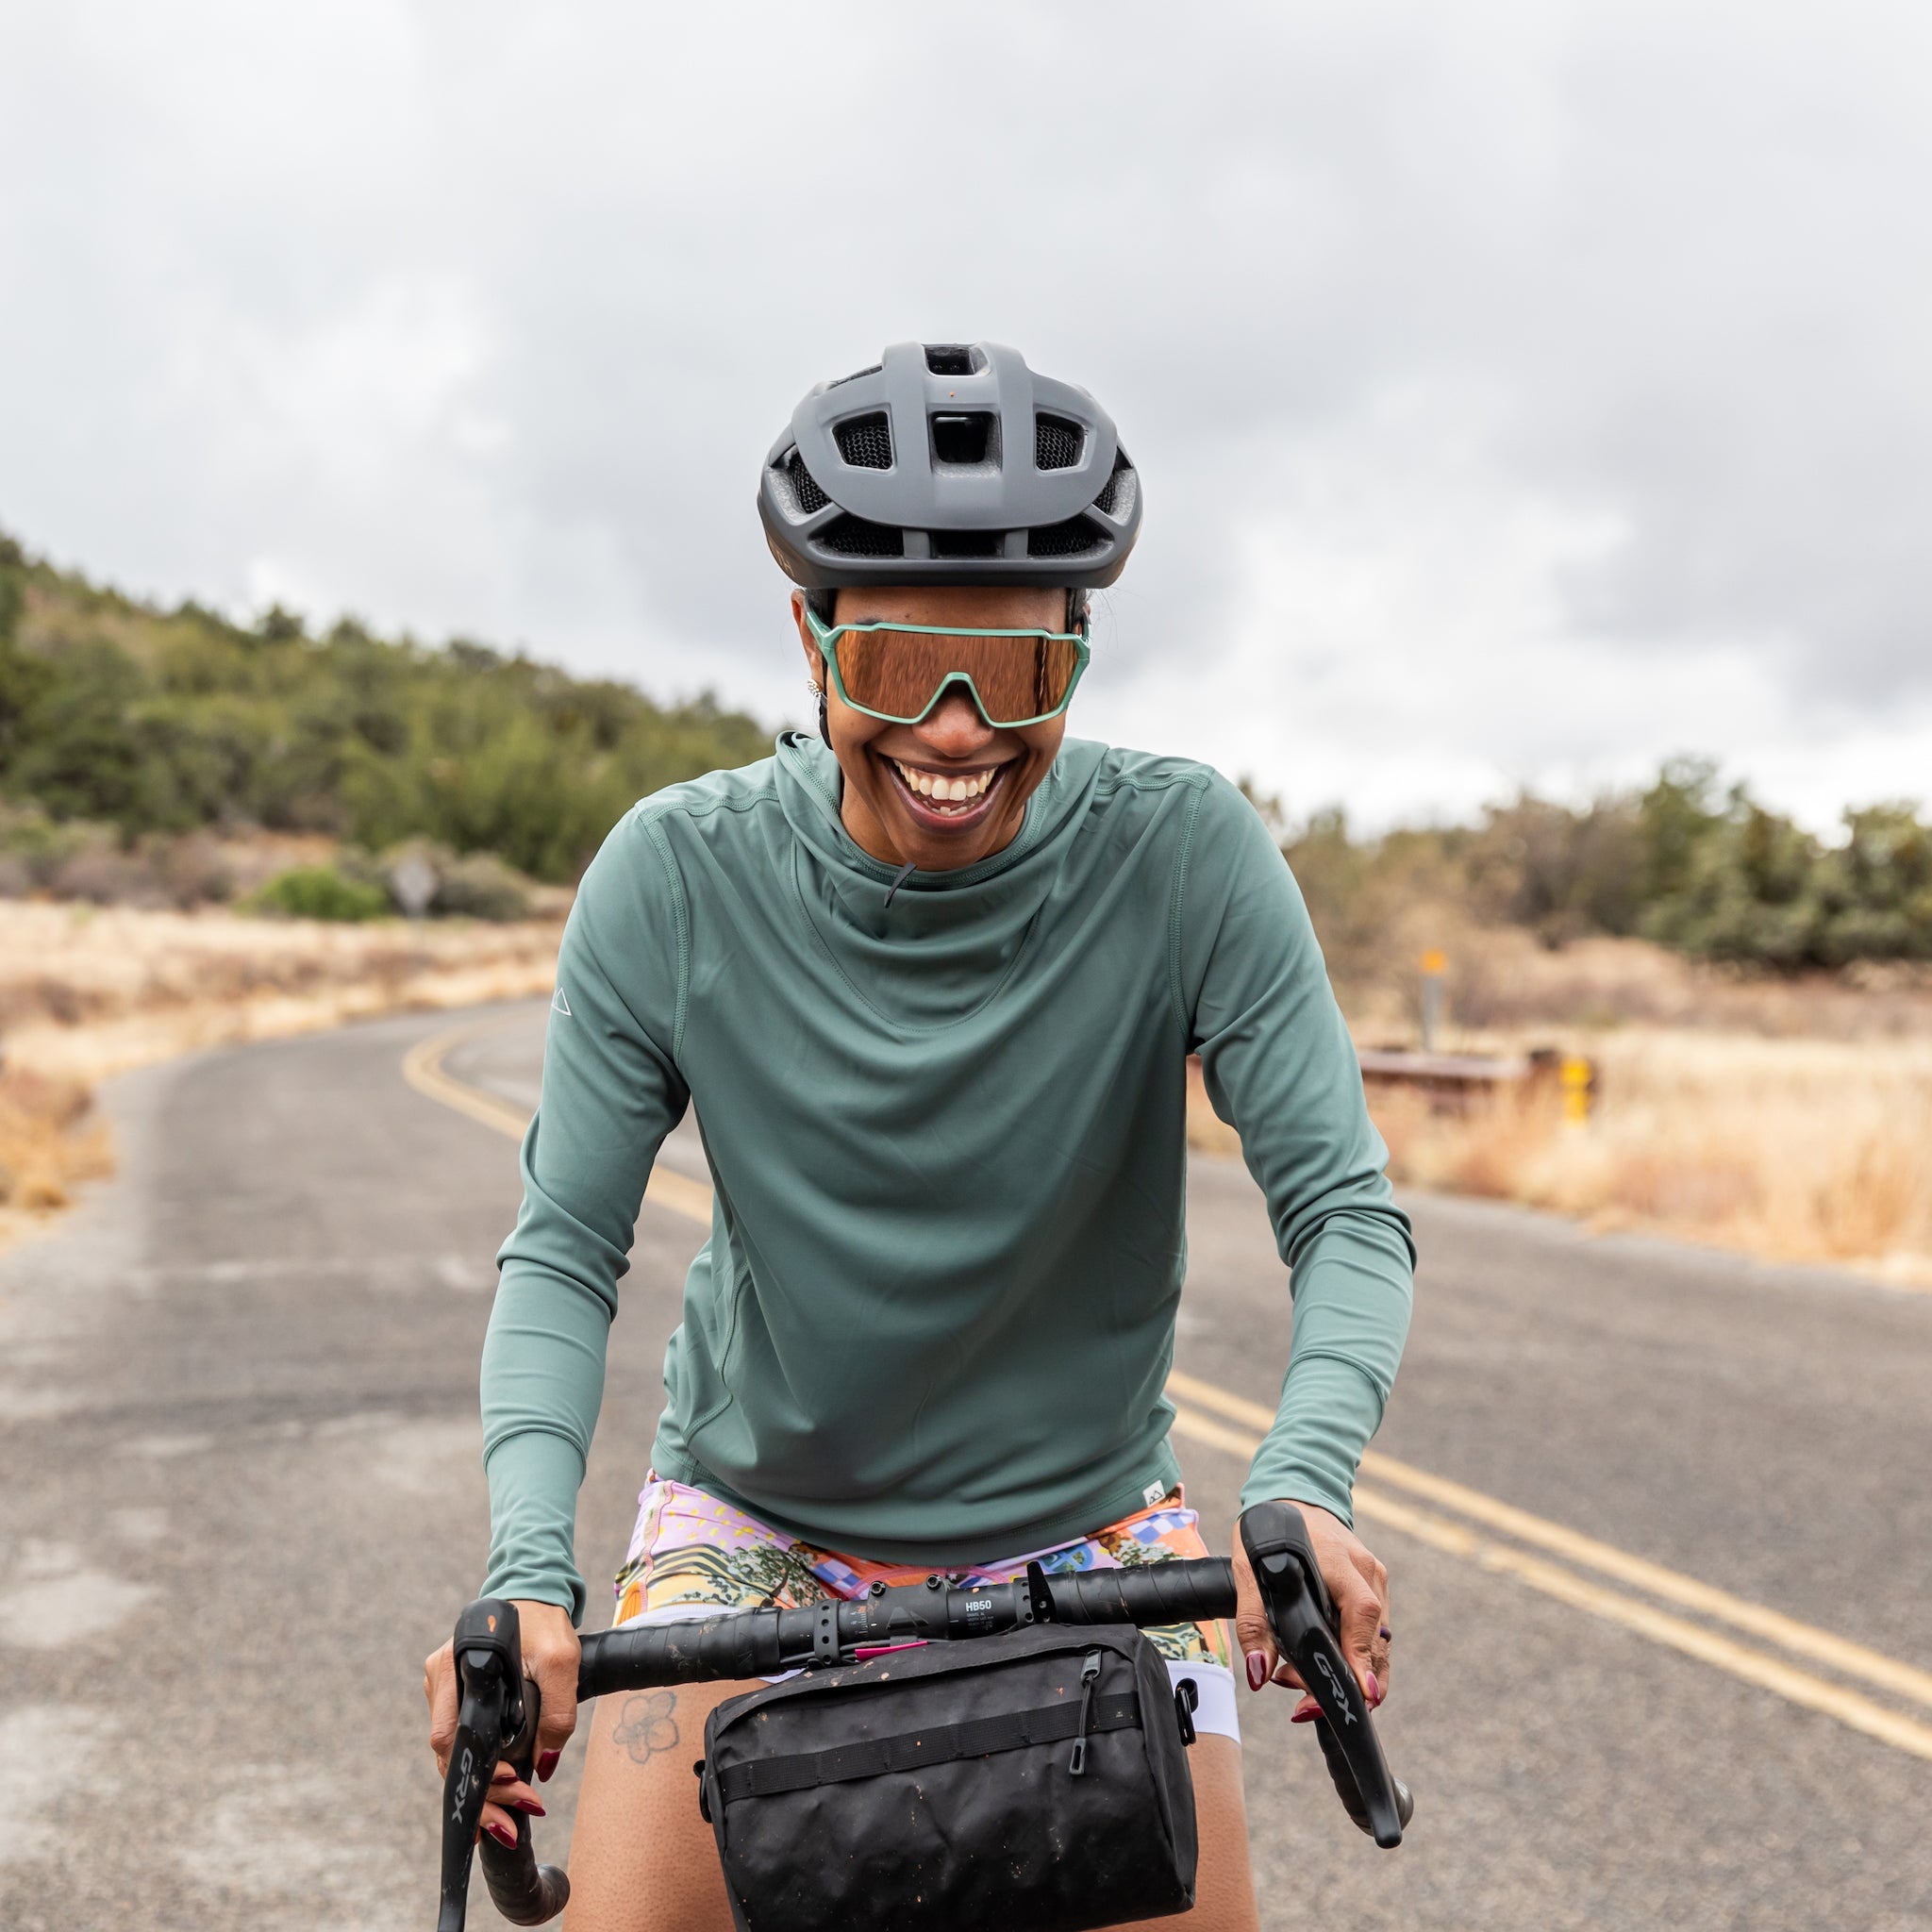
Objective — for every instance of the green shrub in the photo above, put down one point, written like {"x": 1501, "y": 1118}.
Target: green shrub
{"x": 321, "y": 892}
{"x": 41, "y": 847}
{"x": 481, "y": 887}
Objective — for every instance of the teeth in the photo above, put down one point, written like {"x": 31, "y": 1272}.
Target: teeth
{"x": 946, "y": 791}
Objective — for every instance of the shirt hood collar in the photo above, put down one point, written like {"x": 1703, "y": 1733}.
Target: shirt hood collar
{"x": 947, "y": 937}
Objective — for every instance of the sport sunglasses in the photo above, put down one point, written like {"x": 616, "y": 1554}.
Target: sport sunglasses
{"x": 897, "y": 673}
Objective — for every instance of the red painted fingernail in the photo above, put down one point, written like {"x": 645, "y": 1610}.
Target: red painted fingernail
{"x": 1306, "y": 1712}
{"x": 1374, "y": 1691}
{"x": 531, "y": 1805}
{"x": 502, "y": 1835}
{"x": 1258, "y": 1670}
{"x": 546, "y": 1764}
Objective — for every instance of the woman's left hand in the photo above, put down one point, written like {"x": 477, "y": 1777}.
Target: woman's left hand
{"x": 1358, "y": 1585}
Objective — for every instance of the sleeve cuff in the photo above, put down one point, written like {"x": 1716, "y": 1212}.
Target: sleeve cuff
{"x": 533, "y": 1488}
{"x": 1329, "y": 1410}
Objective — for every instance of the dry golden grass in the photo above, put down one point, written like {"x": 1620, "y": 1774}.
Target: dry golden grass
{"x": 48, "y": 1142}
{"x": 1786, "y": 1118}
{"x": 87, "y": 993}
{"x": 1798, "y": 1149}
{"x": 1795, "y": 1150}
{"x": 1503, "y": 986}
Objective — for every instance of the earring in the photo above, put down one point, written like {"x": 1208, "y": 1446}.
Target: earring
{"x": 818, "y": 691}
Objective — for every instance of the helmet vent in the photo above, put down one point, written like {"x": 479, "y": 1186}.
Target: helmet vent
{"x": 949, "y": 358}
{"x": 970, "y": 438}
{"x": 1122, "y": 480}
{"x": 1056, "y": 442}
{"x": 968, "y": 543}
{"x": 1074, "y": 538}
{"x": 866, "y": 441}
{"x": 804, "y": 491}
{"x": 851, "y": 535}
{"x": 870, "y": 369}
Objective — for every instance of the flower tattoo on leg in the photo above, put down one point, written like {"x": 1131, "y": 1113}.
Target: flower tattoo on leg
{"x": 646, "y": 1726}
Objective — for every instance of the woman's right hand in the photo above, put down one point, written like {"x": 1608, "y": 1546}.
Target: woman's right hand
{"x": 550, "y": 1651}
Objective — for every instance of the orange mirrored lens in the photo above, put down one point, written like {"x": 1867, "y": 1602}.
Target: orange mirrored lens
{"x": 900, "y": 671}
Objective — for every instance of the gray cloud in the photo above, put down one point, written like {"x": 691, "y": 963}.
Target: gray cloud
{"x": 1523, "y": 390}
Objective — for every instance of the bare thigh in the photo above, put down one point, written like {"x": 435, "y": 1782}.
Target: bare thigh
{"x": 643, "y": 1860}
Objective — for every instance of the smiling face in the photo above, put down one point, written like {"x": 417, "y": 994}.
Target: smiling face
{"x": 951, "y": 789}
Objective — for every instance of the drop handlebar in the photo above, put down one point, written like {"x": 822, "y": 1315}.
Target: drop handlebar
{"x": 498, "y": 1712}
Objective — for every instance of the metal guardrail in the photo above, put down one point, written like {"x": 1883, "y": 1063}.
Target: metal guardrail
{"x": 1454, "y": 1082}
{"x": 1458, "y": 1083}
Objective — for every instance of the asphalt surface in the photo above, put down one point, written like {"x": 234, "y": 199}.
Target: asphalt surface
{"x": 241, "y": 1498}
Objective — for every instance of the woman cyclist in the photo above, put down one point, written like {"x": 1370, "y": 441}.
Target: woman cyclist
{"x": 930, "y": 980}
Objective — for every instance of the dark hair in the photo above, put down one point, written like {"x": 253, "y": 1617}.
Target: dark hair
{"x": 823, "y": 605}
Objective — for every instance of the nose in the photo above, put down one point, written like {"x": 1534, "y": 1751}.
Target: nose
{"x": 954, "y": 728}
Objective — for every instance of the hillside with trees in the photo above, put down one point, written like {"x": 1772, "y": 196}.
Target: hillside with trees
{"x": 114, "y": 714}
{"x": 1705, "y": 870}
{"x": 120, "y": 719}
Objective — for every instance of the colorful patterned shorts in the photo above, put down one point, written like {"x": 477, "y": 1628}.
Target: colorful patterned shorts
{"x": 691, "y": 1553}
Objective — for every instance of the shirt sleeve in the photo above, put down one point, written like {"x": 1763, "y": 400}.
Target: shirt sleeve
{"x": 1281, "y": 1068}
{"x": 611, "y": 1092}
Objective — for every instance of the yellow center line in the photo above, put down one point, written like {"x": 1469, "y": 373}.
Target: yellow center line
{"x": 1694, "y": 1640}
{"x": 423, "y": 1068}
{"x": 1818, "y": 1646}
{"x": 1707, "y": 1646}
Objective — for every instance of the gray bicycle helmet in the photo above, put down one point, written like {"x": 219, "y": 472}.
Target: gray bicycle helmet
{"x": 949, "y": 463}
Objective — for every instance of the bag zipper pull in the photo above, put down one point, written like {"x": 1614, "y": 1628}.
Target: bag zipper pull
{"x": 1186, "y": 1701}
{"x": 1090, "y": 1676}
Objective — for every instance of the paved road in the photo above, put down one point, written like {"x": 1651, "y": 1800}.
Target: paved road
{"x": 241, "y": 1499}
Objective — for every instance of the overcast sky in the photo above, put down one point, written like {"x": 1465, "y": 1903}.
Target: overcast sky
{"x": 1522, "y": 392}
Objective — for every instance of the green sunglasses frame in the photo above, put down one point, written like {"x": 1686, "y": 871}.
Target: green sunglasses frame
{"x": 826, "y": 636}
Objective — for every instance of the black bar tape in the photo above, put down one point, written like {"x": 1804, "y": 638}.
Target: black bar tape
{"x": 742, "y": 1644}
{"x": 525, "y": 1892}
{"x": 1146, "y": 1594}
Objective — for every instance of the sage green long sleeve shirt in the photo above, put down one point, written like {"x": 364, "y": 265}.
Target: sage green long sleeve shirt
{"x": 935, "y": 1311}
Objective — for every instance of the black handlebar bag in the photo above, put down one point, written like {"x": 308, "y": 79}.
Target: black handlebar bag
{"x": 1032, "y": 1782}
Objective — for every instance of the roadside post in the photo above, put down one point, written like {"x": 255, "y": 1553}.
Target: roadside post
{"x": 413, "y": 880}
{"x": 1579, "y": 1086}
{"x": 1434, "y": 965}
